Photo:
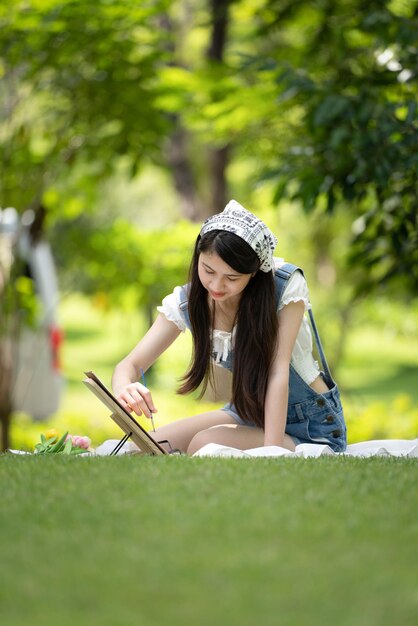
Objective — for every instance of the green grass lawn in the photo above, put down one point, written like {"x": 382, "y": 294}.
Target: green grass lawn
{"x": 176, "y": 540}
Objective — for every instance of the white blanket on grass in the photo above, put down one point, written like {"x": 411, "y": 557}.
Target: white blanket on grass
{"x": 380, "y": 447}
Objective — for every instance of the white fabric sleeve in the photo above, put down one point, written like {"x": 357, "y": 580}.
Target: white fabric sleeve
{"x": 302, "y": 358}
{"x": 170, "y": 308}
{"x": 295, "y": 290}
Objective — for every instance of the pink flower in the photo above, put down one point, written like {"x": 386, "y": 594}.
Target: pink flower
{"x": 80, "y": 442}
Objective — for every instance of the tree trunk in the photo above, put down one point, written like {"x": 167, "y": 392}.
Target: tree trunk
{"x": 183, "y": 175}
{"x": 6, "y": 387}
{"x": 7, "y": 304}
{"x": 220, "y": 20}
{"x": 345, "y": 316}
{"x": 219, "y": 189}
{"x": 219, "y": 157}
{"x": 5, "y": 429}
{"x": 178, "y": 153}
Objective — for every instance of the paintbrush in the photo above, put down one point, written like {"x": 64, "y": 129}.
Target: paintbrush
{"x": 145, "y": 385}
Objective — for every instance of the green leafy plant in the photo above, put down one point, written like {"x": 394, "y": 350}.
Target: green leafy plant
{"x": 53, "y": 445}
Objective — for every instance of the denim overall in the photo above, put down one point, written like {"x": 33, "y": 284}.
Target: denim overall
{"x": 312, "y": 417}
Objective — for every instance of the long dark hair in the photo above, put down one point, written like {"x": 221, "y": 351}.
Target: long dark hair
{"x": 256, "y": 326}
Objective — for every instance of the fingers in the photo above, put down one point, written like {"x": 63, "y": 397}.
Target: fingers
{"x": 136, "y": 397}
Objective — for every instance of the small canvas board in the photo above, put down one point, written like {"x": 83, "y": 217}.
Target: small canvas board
{"x": 123, "y": 419}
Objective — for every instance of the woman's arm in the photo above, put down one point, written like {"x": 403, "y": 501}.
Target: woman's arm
{"x": 131, "y": 394}
{"x": 275, "y": 409}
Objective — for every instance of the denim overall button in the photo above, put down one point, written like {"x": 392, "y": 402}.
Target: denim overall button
{"x": 336, "y": 433}
{"x": 329, "y": 419}
{"x": 320, "y": 402}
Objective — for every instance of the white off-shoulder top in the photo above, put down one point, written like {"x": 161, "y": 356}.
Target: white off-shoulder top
{"x": 296, "y": 290}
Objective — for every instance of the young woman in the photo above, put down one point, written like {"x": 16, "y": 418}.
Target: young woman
{"x": 243, "y": 316}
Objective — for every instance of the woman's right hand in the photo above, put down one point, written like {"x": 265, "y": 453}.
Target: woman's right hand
{"x": 136, "y": 397}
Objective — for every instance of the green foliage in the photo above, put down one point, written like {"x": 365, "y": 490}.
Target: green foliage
{"x": 124, "y": 265}
{"x": 385, "y": 241}
{"x": 397, "y": 419}
{"x": 324, "y": 97}
{"x": 352, "y": 78}
{"x": 19, "y": 305}
{"x": 79, "y": 87}
{"x": 56, "y": 445}
{"x": 18, "y": 298}
{"x": 25, "y": 432}
{"x": 320, "y": 98}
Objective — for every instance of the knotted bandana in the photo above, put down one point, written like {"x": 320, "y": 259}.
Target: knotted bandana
{"x": 235, "y": 219}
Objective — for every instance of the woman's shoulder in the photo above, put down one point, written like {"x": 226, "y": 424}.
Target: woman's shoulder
{"x": 280, "y": 263}
{"x": 174, "y": 306}
{"x": 180, "y": 294}
{"x": 295, "y": 288}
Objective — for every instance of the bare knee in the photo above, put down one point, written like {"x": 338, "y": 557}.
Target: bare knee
{"x": 203, "y": 437}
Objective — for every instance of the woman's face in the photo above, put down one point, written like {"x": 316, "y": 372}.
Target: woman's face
{"x": 223, "y": 283}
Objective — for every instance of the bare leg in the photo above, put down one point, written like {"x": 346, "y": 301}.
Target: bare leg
{"x": 234, "y": 435}
{"x": 181, "y": 432}
{"x": 191, "y": 434}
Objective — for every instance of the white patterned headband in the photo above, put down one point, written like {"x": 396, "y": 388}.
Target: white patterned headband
{"x": 235, "y": 219}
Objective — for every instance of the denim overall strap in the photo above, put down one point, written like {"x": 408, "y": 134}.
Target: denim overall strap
{"x": 322, "y": 356}
{"x": 184, "y": 305}
{"x": 282, "y": 275}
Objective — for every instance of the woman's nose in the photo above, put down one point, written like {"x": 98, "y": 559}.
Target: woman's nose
{"x": 217, "y": 284}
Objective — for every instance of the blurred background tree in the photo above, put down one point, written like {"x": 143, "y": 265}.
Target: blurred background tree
{"x": 320, "y": 97}
{"x": 119, "y": 118}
